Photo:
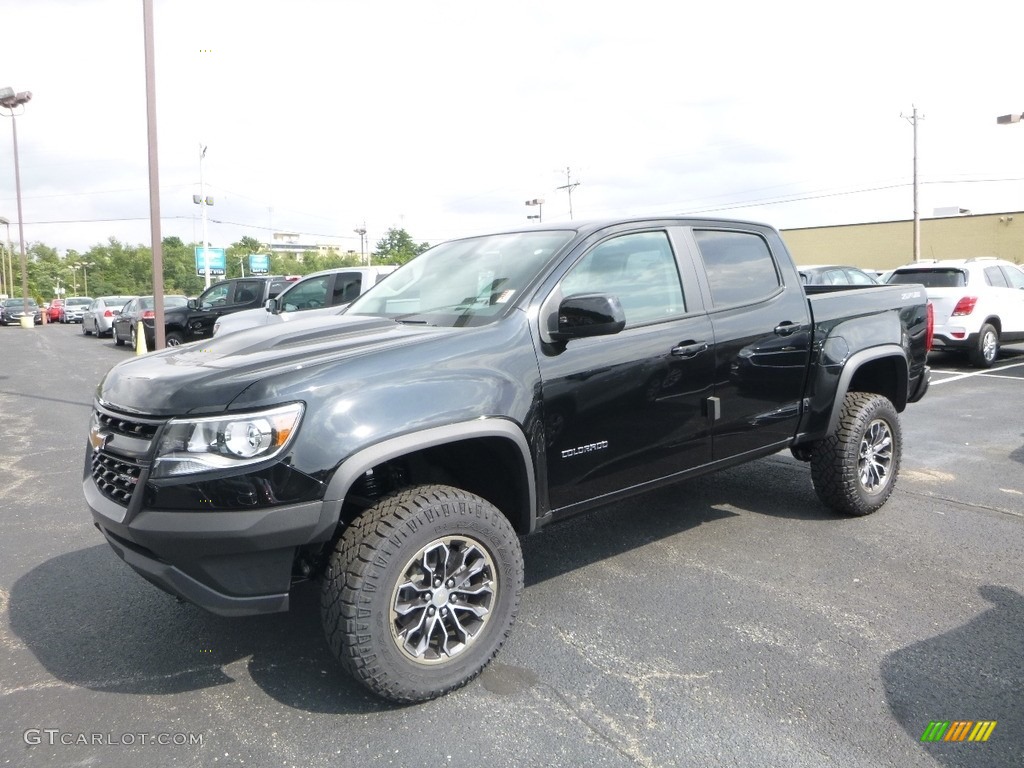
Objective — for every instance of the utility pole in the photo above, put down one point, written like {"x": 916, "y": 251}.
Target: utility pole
{"x": 913, "y": 119}
{"x": 569, "y": 186}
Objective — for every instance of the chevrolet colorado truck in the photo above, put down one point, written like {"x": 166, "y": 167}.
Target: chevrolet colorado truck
{"x": 397, "y": 452}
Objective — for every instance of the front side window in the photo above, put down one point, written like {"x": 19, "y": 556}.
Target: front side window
{"x": 739, "y": 266}
{"x": 216, "y": 296}
{"x": 640, "y": 269}
{"x": 309, "y": 294}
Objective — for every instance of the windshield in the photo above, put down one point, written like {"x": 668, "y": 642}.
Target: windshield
{"x": 79, "y": 302}
{"x": 15, "y": 303}
{"x": 463, "y": 282}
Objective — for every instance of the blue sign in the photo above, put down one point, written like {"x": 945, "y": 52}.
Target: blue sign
{"x": 218, "y": 261}
{"x": 259, "y": 263}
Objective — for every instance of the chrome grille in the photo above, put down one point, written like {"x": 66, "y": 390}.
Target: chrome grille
{"x": 116, "y": 477}
{"x": 129, "y": 427}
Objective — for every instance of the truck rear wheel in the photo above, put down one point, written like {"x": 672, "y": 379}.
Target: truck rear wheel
{"x": 854, "y": 469}
{"x": 421, "y": 591}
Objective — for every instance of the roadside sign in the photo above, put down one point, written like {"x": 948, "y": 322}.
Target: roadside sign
{"x": 259, "y": 263}
{"x": 218, "y": 261}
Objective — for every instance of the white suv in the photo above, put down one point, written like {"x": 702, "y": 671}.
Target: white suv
{"x": 979, "y": 303}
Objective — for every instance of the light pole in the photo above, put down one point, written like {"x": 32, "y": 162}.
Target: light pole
{"x": 84, "y": 266}
{"x": 202, "y": 200}
{"x": 11, "y": 101}
{"x": 361, "y": 231}
{"x": 6, "y": 265}
{"x": 539, "y": 215}
{"x": 74, "y": 277}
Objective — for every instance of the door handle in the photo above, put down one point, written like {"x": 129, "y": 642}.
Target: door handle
{"x": 687, "y": 350}
{"x": 787, "y": 328}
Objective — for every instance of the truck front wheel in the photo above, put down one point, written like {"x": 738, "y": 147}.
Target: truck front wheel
{"x": 854, "y": 469}
{"x": 421, "y": 591}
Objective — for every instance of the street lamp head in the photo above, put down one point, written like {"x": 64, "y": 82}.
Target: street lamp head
{"x": 1007, "y": 119}
{"x": 10, "y": 99}
{"x": 4, "y": 221}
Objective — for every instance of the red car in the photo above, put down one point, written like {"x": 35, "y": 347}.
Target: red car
{"x": 53, "y": 313}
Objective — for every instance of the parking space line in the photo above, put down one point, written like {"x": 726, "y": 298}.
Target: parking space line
{"x": 993, "y": 374}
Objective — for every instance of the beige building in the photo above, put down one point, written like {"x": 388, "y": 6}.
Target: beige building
{"x": 888, "y": 244}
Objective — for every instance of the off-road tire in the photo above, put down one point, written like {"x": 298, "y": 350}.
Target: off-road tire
{"x": 854, "y": 470}
{"x": 986, "y": 350}
{"x": 362, "y": 590}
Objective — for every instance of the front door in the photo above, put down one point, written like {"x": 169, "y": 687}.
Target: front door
{"x": 626, "y": 409}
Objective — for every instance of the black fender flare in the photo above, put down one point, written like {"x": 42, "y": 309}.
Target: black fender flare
{"x": 854, "y": 363}
{"x": 356, "y": 464}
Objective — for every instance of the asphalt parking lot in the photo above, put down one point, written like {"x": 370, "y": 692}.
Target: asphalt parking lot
{"x": 730, "y": 620}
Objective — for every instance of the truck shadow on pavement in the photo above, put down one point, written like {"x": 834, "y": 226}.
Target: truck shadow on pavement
{"x": 92, "y": 622}
{"x": 971, "y": 673}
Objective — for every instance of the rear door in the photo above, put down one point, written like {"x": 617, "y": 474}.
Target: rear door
{"x": 762, "y": 335}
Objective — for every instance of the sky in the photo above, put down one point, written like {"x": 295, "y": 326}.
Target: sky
{"x": 443, "y": 118}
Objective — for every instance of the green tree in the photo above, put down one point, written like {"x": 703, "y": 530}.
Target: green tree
{"x": 397, "y": 247}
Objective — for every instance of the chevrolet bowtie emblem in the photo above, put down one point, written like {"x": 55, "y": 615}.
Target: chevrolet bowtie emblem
{"x": 98, "y": 439}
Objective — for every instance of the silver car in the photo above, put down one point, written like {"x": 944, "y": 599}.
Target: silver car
{"x": 99, "y": 316}
{"x": 74, "y": 308}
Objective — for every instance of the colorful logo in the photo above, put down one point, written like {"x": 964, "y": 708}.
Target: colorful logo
{"x": 958, "y": 730}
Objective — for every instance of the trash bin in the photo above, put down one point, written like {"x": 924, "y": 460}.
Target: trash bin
{"x": 28, "y": 322}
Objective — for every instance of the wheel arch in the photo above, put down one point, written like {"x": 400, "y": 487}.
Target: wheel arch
{"x": 488, "y": 457}
{"x": 879, "y": 370}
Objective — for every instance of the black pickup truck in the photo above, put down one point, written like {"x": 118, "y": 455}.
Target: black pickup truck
{"x": 196, "y": 320}
{"x": 493, "y": 385}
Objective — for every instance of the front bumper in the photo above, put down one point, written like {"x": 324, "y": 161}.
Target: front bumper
{"x": 235, "y": 563}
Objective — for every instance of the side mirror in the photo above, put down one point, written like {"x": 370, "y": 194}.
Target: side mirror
{"x": 193, "y": 303}
{"x": 271, "y": 306}
{"x": 589, "y": 314}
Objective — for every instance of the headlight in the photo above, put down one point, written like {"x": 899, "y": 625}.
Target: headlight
{"x": 222, "y": 442}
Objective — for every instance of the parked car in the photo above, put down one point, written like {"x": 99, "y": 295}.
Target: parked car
{"x": 979, "y": 303}
{"x": 320, "y": 292}
{"x": 73, "y": 309}
{"x": 835, "y": 274}
{"x": 126, "y": 323}
{"x": 12, "y": 310}
{"x": 53, "y": 311}
{"x": 99, "y": 316}
{"x": 195, "y": 320}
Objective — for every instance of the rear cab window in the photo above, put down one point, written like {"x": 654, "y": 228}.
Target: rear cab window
{"x": 739, "y": 266}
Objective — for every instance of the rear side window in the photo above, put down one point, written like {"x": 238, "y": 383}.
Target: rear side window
{"x": 739, "y": 265}
{"x": 929, "y": 278}
{"x": 1014, "y": 276}
{"x": 346, "y": 288}
{"x": 994, "y": 276}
